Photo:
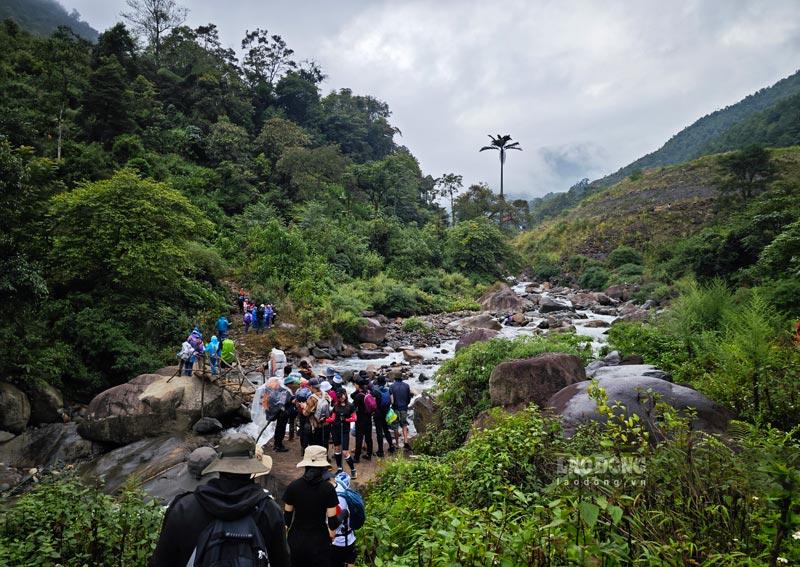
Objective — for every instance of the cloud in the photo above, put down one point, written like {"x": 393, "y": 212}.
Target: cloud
{"x": 586, "y": 87}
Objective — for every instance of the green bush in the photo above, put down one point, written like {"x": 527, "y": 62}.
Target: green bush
{"x": 595, "y": 277}
{"x": 623, "y": 255}
{"x": 64, "y": 522}
{"x": 417, "y": 325}
{"x": 628, "y": 271}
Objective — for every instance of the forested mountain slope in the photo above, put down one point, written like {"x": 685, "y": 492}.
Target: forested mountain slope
{"x": 42, "y": 17}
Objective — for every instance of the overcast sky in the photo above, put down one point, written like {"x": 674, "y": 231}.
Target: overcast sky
{"x": 585, "y": 86}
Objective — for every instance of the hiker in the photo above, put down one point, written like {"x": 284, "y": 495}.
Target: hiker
{"x": 401, "y": 399}
{"x": 317, "y": 409}
{"x": 309, "y": 507}
{"x": 228, "y": 353}
{"x": 268, "y": 316}
{"x": 273, "y": 314}
{"x": 303, "y": 422}
{"x": 305, "y": 370}
{"x": 240, "y": 301}
{"x": 276, "y": 401}
{"x": 222, "y": 327}
{"x": 363, "y": 419}
{"x": 247, "y": 319}
{"x": 233, "y": 503}
{"x": 382, "y": 431}
{"x": 343, "y": 414}
{"x": 184, "y": 356}
{"x": 277, "y": 361}
{"x": 259, "y": 324}
{"x": 292, "y": 381}
{"x": 343, "y": 550}
{"x": 195, "y": 339}
{"x": 213, "y": 350}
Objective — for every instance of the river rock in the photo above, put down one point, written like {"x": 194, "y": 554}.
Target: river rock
{"x": 321, "y": 354}
{"x": 582, "y": 300}
{"x": 150, "y": 406}
{"x": 593, "y": 367}
{"x": 613, "y": 358}
{"x": 371, "y": 331}
{"x": 207, "y": 426}
{"x": 332, "y": 344}
{"x": 348, "y": 351}
{"x": 370, "y": 354}
{"x": 15, "y": 409}
{"x": 603, "y": 299}
{"x": 626, "y": 384}
{"x": 475, "y": 336}
{"x": 519, "y": 319}
{"x": 595, "y": 323}
{"x": 426, "y": 412}
{"x": 482, "y": 321}
{"x": 47, "y": 445}
{"x": 6, "y": 436}
{"x": 549, "y": 304}
{"x": 520, "y": 382}
{"x": 412, "y": 356}
{"x": 47, "y": 403}
{"x": 199, "y": 459}
{"x": 501, "y": 298}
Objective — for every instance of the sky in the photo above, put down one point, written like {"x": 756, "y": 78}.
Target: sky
{"x": 585, "y": 86}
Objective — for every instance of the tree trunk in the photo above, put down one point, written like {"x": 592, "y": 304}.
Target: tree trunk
{"x": 60, "y": 129}
{"x": 452, "y": 214}
{"x": 501, "y": 176}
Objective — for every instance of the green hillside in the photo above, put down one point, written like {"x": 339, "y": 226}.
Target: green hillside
{"x": 701, "y": 137}
{"x": 42, "y": 17}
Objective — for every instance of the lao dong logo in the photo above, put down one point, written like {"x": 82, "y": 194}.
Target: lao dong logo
{"x": 602, "y": 470}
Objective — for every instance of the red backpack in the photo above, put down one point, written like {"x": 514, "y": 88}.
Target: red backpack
{"x": 370, "y": 403}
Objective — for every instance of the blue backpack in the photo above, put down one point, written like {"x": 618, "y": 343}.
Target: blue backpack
{"x": 355, "y": 506}
{"x": 386, "y": 398}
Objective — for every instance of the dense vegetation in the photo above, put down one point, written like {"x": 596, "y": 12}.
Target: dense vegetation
{"x": 136, "y": 177}
{"x": 43, "y": 17}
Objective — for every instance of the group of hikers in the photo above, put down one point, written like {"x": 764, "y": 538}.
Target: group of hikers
{"x": 221, "y": 350}
{"x": 320, "y": 411}
{"x": 258, "y": 316}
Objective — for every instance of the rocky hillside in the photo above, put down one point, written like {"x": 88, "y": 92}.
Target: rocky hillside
{"x": 648, "y": 211}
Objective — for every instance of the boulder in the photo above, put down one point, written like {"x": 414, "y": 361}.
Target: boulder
{"x": 371, "y": 331}
{"x": 15, "y": 409}
{"x": 412, "y": 356}
{"x": 426, "y": 412}
{"x": 167, "y": 371}
{"x": 613, "y": 358}
{"x": 47, "y": 404}
{"x": 46, "y": 446}
{"x": 9, "y": 477}
{"x": 6, "y": 436}
{"x": 549, "y": 304}
{"x": 595, "y": 323}
{"x": 475, "y": 336}
{"x": 348, "y": 351}
{"x": 519, "y": 319}
{"x": 564, "y": 329}
{"x": 593, "y": 367}
{"x": 321, "y": 354}
{"x": 199, "y": 459}
{"x": 370, "y": 354}
{"x": 582, "y": 300}
{"x": 207, "y": 426}
{"x": 520, "y": 382}
{"x": 603, "y": 299}
{"x": 368, "y": 346}
{"x": 501, "y": 298}
{"x": 150, "y": 406}
{"x": 627, "y": 385}
{"x": 482, "y": 321}
{"x": 609, "y": 310}
{"x": 332, "y": 344}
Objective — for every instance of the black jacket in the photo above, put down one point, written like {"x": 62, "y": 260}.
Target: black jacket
{"x": 226, "y": 498}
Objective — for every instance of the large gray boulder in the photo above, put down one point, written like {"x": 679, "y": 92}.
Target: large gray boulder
{"x": 628, "y": 385}
{"x": 519, "y": 382}
{"x": 371, "y": 331}
{"x": 482, "y": 321}
{"x": 501, "y": 298}
{"x": 47, "y": 446}
{"x": 426, "y": 412}
{"x": 47, "y": 403}
{"x": 199, "y": 459}
{"x": 476, "y": 336}
{"x": 549, "y": 304}
{"x": 150, "y": 406}
{"x": 15, "y": 409}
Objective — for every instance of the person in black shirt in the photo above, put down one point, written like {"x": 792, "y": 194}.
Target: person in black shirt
{"x": 401, "y": 399}
{"x": 231, "y": 496}
{"x": 363, "y": 421}
{"x": 343, "y": 415}
{"x": 309, "y": 506}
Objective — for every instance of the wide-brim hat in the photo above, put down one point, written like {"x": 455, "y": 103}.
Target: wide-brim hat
{"x": 237, "y": 456}
{"x": 314, "y": 456}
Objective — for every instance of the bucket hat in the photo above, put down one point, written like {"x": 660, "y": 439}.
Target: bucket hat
{"x": 314, "y": 456}
{"x": 237, "y": 456}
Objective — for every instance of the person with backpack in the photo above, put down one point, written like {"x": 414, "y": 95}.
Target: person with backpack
{"x": 195, "y": 340}
{"x": 184, "y": 356}
{"x": 363, "y": 419}
{"x": 259, "y": 325}
{"x": 382, "y": 429}
{"x": 276, "y": 402}
{"x": 401, "y": 400}
{"x": 303, "y": 424}
{"x": 310, "y": 514}
{"x": 240, "y": 300}
{"x": 222, "y": 327}
{"x": 343, "y": 414}
{"x": 268, "y": 316}
{"x": 228, "y": 353}
{"x": 317, "y": 409}
{"x": 197, "y": 525}
{"x": 213, "y": 349}
{"x": 247, "y": 320}
{"x": 351, "y": 509}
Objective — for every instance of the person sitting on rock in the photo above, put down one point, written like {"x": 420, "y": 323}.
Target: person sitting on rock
{"x": 232, "y": 503}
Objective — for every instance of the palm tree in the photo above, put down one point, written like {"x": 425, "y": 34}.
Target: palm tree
{"x": 501, "y": 143}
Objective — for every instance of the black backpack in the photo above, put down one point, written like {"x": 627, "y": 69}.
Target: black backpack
{"x": 232, "y": 543}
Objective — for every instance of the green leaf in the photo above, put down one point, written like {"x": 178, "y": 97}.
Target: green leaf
{"x": 616, "y": 514}
{"x": 589, "y": 513}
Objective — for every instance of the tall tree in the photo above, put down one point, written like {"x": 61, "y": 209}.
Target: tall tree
{"x": 501, "y": 144}
{"x": 267, "y": 57}
{"x": 449, "y": 185}
{"x": 153, "y": 19}
{"x": 747, "y": 171}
